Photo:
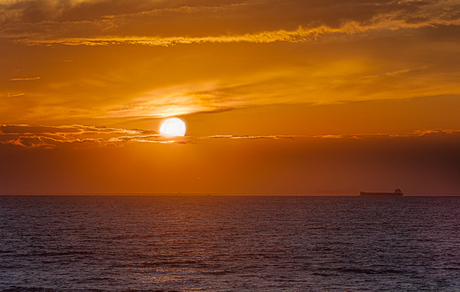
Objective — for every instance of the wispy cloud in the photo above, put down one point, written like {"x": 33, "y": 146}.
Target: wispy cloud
{"x": 417, "y": 133}
{"x": 25, "y": 79}
{"x": 14, "y": 94}
{"x": 80, "y": 136}
{"x": 392, "y": 16}
{"x": 181, "y": 100}
{"x": 253, "y": 137}
{"x": 33, "y": 136}
{"x": 299, "y": 35}
{"x": 396, "y": 73}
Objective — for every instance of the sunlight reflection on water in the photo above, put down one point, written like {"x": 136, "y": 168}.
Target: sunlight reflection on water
{"x": 229, "y": 243}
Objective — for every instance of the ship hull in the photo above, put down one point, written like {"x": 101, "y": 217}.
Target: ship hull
{"x": 365, "y": 194}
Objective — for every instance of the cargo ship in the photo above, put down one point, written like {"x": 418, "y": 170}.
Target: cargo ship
{"x": 397, "y": 193}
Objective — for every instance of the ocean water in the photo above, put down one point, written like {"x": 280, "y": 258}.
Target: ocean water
{"x": 207, "y": 243}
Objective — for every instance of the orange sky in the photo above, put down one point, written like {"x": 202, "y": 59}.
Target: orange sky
{"x": 279, "y": 97}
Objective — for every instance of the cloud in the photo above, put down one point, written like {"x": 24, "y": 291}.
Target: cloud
{"x": 14, "y": 94}
{"x": 299, "y": 35}
{"x": 205, "y": 97}
{"x": 25, "y": 79}
{"x": 251, "y": 137}
{"x": 36, "y": 136}
{"x": 39, "y": 136}
{"x": 417, "y": 133}
{"x": 181, "y": 100}
{"x": 81, "y": 10}
{"x": 251, "y": 22}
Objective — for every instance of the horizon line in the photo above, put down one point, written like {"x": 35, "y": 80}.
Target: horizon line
{"x": 211, "y": 194}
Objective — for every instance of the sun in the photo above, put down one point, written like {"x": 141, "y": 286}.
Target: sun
{"x": 173, "y": 127}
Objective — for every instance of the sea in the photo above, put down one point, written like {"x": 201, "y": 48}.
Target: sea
{"x": 229, "y": 243}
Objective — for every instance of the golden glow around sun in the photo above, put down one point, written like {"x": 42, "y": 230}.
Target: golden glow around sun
{"x": 173, "y": 127}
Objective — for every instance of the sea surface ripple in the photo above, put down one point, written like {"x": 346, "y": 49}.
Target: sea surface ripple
{"x": 212, "y": 243}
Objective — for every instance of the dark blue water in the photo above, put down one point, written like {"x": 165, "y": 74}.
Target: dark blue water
{"x": 116, "y": 243}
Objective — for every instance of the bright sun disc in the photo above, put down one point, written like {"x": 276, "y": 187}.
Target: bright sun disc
{"x": 172, "y": 127}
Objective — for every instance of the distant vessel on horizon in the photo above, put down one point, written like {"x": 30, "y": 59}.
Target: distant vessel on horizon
{"x": 397, "y": 193}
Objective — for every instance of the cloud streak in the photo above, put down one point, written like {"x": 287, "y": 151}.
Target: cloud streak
{"x": 77, "y": 136}
{"x": 299, "y": 35}
{"x": 182, "y": 100}
{"x": 25, "y": 79}
{"x": 418, "y": 133}
{"x": 36, "y": 136}
{"x": 115, "y": 29}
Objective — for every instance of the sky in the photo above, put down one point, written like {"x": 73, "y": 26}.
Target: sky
{"x": 279, "y": 97}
